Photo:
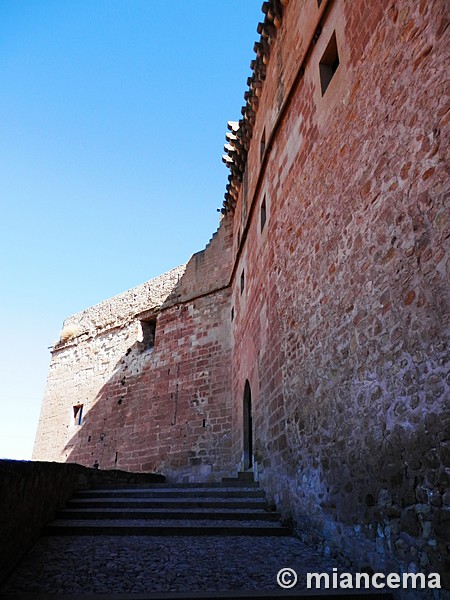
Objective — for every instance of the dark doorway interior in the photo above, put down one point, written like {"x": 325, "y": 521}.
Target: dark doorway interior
{"x": 248, "y": 434}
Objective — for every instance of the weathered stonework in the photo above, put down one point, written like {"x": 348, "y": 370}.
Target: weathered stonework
{"x": 325, "y": 293}
{"x": 166, "y": 407}
{"x": 343, "y": 327}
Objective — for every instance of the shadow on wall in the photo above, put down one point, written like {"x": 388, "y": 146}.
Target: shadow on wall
{"x": 148, "y": 417}
{"x": 167, "y": 406}
{"x": 105, "y": 434}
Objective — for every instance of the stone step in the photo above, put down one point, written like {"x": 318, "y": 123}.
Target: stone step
{"x": 140, "y": 527}
{"x": 242, "y": 476}
{"x": 231, "y": 482}
{"x": 169, "y": 492}
{"x": 174, "y": 503}
{"x": 166, "y": 509}
{"x": 150, "y": 513}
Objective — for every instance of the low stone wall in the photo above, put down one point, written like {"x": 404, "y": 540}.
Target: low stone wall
{"x": 31, "y": 493}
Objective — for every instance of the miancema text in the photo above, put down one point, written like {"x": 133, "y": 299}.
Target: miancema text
{"x": 377, "y": 580}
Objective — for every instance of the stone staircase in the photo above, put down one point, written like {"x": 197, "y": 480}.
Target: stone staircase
{"x": 235, "y": 506}
{"x": 85, "y": 566}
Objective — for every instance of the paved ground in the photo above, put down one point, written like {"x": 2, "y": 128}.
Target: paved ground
{"x": 128, "y": 564}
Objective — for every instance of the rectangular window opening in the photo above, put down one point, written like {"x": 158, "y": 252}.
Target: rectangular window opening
{"x": 78, "y": 414}
{"x": 262, "y": 147}
{"x": 263, "y": 213}
{"x": 329, "y": 63}
{"x": 242, "y": 281}
{"x": 148, "y": 329}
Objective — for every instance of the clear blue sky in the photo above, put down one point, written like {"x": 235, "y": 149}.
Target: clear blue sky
{"x": 112, "y": 123}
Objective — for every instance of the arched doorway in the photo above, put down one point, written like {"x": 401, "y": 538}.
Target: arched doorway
{"x": 248, "y": 434}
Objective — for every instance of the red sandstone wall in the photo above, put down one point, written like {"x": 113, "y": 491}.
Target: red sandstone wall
{"x": 343, "y": 326}
{"x": 164, "y": 409}
{"x": 209, "y": 269}
{"x": 172, "y": 413}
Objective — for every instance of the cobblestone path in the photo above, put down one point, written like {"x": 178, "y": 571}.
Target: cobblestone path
{"x": 135, "y": 564}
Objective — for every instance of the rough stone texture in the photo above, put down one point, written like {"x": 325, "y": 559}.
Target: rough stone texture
{"x": 112, "y": 564}
{"x": 32, "y": 492}
{"x": 342, "y": 329}
{"x": 95, "y": 341}
{"x": 165, "y": 408}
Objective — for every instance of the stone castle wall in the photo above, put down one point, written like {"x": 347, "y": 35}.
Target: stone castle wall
{"x": 326, "y": 292}
{"x": 163, "y": 407}
{"x": 342, "y": 328}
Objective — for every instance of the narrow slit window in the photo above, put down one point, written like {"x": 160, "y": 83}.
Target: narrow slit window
{"x": 263, "y": 213}
{"x": 148, "y": 328}
{"x": 78, "y": 414}
{"x": 242, "y": 281}
{"x": 329, "y": 63}
{"x": 262, "y": 146}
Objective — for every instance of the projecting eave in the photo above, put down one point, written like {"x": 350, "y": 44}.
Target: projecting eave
{"x": 240, "y": 132}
